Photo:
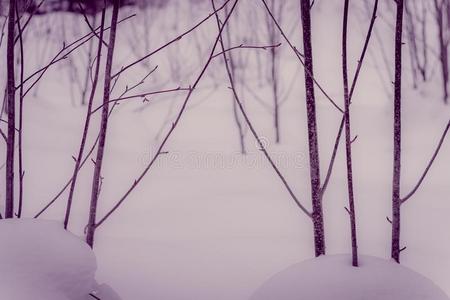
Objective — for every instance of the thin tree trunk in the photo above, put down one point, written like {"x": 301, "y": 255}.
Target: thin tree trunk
{"x": 273, "y": 75}
{"x": 443, "y": 46}
{"x": 424, "y": 67}
{"x": 239, "y": 125}
{"x": 352, "y": 89}
{"x": 413, "y": 55}
{"x": 396, "y": 202}
{"x": 20, "y": 146}
{"x": 89, "y": 62}
{"x": 447, "y": 9}
{"x": 275, "y": 94}
{"x": 348, "y": 146}
{"x": 103, "y": 128}
{"x": 317, "y": 214}
{"x": 86, "y": 124}
{"x": 9, "y": 205}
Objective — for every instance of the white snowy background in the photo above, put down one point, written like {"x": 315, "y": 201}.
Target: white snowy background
{"x": 207, "y": 222}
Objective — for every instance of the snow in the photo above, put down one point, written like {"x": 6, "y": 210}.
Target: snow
{"x": 105, "y": 292}
{"x": 206, "y": 222}
{"x": 333, "y": 277}
{"x": 40, "y": 260}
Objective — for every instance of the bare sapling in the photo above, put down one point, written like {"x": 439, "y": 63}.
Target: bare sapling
{"x": 348, "y": 140}
{"x": 11, "y": 133}
{"x": 96, "y": 181}
{"x": 79, "y": 157}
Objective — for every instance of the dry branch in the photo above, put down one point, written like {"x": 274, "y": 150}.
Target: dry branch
{"x": 299, "y": 56}
{"x": 174, "y": 124}
{"x": 430, "y": 163}
{"x": 252, "y": 128}
{"x": 86, "y": 124}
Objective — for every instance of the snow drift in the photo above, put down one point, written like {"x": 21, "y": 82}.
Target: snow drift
{"x": 334, "y": 278}
{"x": 41, "y": 261}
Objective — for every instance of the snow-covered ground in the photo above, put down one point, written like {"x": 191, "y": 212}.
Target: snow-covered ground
{"x": 333, "y": 277}
{"x": 209, "y": 223}
{"x": 41, "y": 261}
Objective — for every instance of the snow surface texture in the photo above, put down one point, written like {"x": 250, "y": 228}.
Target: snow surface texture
{"x": 42, "y": 261}
{"x": 206, "y": 222}
{"x": 333, "y": 277}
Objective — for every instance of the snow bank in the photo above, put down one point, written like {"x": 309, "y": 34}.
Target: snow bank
{"x": 333, "y": 278}
{"x": 41, "y": 261}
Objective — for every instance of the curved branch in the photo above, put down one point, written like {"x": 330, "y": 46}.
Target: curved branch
{"x": 430, "y": 163}
{"x": 250, "y": 125}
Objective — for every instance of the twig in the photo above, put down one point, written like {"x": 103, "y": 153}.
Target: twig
{"x": 143, "y": 95}
{"x": 2, "y": 34}
{"x": 171, "y": 41}
{"x": 3, "y": 135}
{"x": 332, "y": 160}
{"x": 347, "y": 210}
{"x": 60, "y": 56}
{"x": 172, "y": 128}
{"x": 83, "y": 12}
{"x": 29, "y": 19}
{"x": 299, "y": 56}
{"x": 6, "y": 122}
{"x": 63, "y": 189}
{"x": 250, "y": 125}
{"x": 242, "y": 46}
{"x": 95, "y": 297}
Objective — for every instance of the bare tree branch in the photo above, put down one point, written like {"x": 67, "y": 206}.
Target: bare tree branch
{"x": 3, "y": 135}
{"x": 250, "y": 125}
{"x": 63, "y": 189}
{"x": 352, "y": 89}
{"x": 143, "y": 95}
{"x": 86, "y": 124}
{"x": 242, "y": 46}
{"x": 61, "y": 55}
{"x": 430, "y": 163}
{"x": 299, "y": 56}
{"x": 171, "y": 41}
{"x": 174, "y": 124}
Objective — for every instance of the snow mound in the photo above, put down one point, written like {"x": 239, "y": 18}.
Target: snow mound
{"x": 41, "y": 261}
{"x": 333, "y": 278}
